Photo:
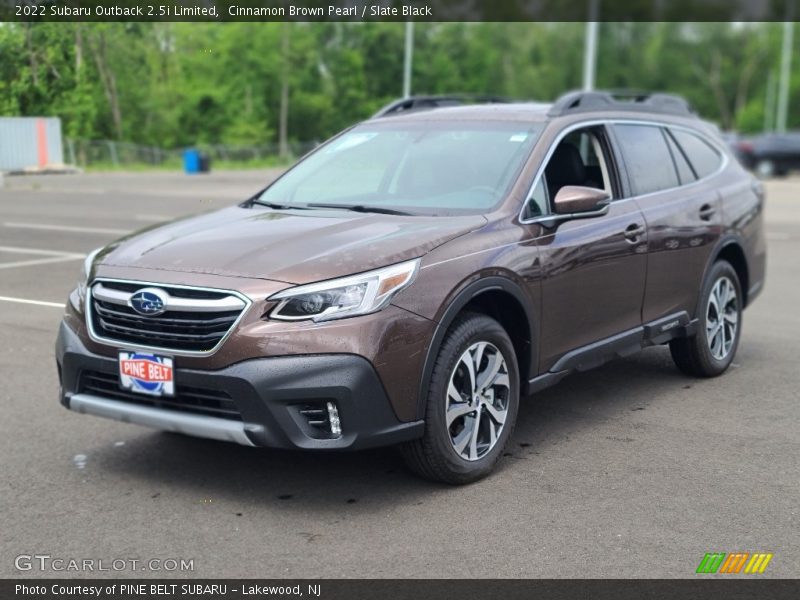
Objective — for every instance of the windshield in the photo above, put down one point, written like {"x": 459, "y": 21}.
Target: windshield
{"x": 427, "y": 168}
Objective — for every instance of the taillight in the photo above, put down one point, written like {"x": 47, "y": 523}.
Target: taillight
{"x": 744, "y": 147}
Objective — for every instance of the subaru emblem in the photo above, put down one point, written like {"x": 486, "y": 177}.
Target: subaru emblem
{"x": 149, "y": 302}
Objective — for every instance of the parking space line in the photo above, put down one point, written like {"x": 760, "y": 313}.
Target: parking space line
{"x": 38, "y": 251}
{"x": 67, "y": 228}
{"x": 38, "y": 261}
{"x": 48, "y": 256}
{"x": 34, "y": 302}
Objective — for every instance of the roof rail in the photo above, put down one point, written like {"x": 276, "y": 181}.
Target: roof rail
{"x": 417, "y": 103}
{"x": 576, "y": 102}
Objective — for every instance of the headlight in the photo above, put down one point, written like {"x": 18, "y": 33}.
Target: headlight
{"x": 346, "y": 297}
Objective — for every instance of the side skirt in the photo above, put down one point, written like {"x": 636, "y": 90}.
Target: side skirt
{"x": 626, "y": 343}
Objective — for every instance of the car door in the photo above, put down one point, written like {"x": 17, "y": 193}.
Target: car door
{"x": 680, "y": 207}
{"x": 593, "y": 269}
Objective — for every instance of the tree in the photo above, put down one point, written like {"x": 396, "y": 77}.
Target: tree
{"x": 180, "y": 84}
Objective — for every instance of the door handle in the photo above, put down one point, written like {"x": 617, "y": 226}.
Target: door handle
{"x": 706, "y": 212}
{"x": 633, "y": 232}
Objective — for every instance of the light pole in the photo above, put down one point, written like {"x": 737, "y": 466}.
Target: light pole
{"x": 590, "y": 47}
{"x": 409, "y": 56}
{"x": 786, "y": 70}
{"x": 769, "y": 103}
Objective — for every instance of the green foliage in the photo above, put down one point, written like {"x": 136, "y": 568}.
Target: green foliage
{"x": 181, "y": 84}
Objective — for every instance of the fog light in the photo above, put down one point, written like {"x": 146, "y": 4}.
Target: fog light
{"x": 333, "y": 419}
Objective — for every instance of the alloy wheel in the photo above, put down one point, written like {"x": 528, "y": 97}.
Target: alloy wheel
{"x": 477, "y": 400}
{"x": 722, "y": 318}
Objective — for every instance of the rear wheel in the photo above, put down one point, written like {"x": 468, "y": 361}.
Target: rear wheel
{"x": 472, "y": 403}
{"x": 711, "y": 350}
{"x": 765, "y": 168}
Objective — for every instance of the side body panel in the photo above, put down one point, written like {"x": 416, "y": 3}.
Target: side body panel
{"x": 683, "y": 227}
{"x": 593, "y": 280}
{"x": 742, "y": 205}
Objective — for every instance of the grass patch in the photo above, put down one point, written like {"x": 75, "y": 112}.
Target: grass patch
{"x": 177, "y": 165}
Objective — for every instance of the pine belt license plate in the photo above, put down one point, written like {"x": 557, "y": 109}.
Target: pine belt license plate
{"x": 146, "y": 373}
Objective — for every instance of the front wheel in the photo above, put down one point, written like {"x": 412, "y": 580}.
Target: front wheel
{"x": 711, "y": 350}
{"x": 472, "y": 403}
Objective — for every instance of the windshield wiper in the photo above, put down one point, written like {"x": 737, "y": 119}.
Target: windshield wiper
{"x": 278, "y": 206}
{"x": 362, "y": 208}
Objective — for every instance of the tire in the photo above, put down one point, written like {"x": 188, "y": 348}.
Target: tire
{"x": 710, "y": 351}
{"x": 455, "y": 453}
{"x": 765, "y": 168}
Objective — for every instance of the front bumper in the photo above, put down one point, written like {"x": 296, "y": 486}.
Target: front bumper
{"x": 268, "y": 393}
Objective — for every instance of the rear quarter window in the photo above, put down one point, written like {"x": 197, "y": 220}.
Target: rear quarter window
{"x": 704, "y": 158}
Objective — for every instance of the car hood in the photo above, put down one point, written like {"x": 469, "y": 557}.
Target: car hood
{"x": 294, "y": 247}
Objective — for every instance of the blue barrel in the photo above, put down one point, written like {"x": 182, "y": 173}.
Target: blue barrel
{"x": 191, "y": 161}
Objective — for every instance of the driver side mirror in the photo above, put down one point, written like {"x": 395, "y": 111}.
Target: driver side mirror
{"x": 574, "y": 199}
{"x": 576, "y": 202}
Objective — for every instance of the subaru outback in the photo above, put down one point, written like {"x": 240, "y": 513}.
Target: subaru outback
{"x": 410, "y": 280}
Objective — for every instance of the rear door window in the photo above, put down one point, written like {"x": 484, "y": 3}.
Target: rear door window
{"x": 647, "y": 158}
{"x": 703, "y": 157}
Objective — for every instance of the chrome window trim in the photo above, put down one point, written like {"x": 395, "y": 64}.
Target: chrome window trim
{"x": 122, "y": 345}
{"x": 619, "y": 121}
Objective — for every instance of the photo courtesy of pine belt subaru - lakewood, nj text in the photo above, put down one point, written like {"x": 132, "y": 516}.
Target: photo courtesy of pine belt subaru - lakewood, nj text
{"x": 409, "y": 280}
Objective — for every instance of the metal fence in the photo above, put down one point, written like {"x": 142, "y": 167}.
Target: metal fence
{"x": 112, "y": 154}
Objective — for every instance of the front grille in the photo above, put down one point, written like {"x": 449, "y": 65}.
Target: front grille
{"x": 178, "y": 292}
{"x": 191, "y": 325}
{"x": 198, "y": 401}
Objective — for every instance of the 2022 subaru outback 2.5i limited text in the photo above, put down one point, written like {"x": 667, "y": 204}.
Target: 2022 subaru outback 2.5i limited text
{"x": 408, "y": 281}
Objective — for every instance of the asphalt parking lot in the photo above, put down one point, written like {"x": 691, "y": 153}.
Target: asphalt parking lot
{"x": 632, "y": 470}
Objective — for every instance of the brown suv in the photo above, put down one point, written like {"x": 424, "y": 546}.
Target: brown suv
{"x": 410, "y": 279}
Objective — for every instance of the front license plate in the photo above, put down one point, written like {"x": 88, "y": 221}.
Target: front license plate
{"x": 146, "y": 373}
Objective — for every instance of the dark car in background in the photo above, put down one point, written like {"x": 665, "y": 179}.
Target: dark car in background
{"x": 413, "y": 278}
{"x": 771, "y": 154}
